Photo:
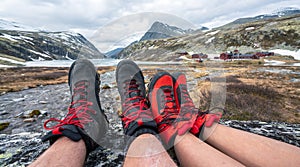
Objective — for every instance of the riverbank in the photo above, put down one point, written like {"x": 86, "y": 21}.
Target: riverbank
{"x": 272, "y": 111}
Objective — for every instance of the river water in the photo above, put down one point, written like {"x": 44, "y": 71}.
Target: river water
{"x": 96, "y": 62}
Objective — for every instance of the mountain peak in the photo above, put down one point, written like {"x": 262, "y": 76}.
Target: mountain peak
{"x": 286, "y": 11}
{"x": 160, "y": 27}
{"x": 160, "y": 30}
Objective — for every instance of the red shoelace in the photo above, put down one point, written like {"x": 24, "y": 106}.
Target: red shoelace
{"x": 170, "y": 112}
{"x": 135, "y": 107}
{"x": 188, "y": 109}
{"x": 78, "y": 115}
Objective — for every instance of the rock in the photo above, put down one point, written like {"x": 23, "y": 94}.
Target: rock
{"x": 4, "y": 125}
{"x": 34, "y": 113}
{"x": 43, "y": 102}
{"x": 29, "y": 114}
{"x": 18, "y": 99}
{"x": 29, "y": 120}
{"x": 106, "y": 86}
{"x": 43, "y": 113}
{"x": 4, "y": 113}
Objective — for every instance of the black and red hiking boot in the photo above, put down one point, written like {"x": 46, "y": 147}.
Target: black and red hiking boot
{"x": 136, "y": 116}
{"x": 85, "y": 119}
{"x": 195, "y": 119}
{"x": 187, "y": 110}
{"x": 163, "y": 107}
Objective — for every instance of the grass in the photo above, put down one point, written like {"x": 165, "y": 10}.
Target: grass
{"x": 12, "y": 58}
{"x": 250, "y": 101}
{"x": 4, "y": 62}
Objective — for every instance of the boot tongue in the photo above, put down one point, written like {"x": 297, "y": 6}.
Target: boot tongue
{"x": 79, "y": 94}
{"x": 133, "y": 93}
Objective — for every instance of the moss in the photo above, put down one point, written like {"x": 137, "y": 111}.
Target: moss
{"x": 4, "y": 125}
{"x": 5, "y": 155}
{"x": 34, "y": 113}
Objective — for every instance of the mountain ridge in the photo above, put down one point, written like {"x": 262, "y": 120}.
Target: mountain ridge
{"x": 261, "y": 35}
{"x": 24, "y": 43}
{"x": 288, "y": 11}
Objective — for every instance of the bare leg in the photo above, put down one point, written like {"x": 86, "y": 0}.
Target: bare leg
{"x": 147, "y": 150}
{"x": 64, "y": 152}
{"x": 193, "y": 152}
{"x": 251, "y": 149}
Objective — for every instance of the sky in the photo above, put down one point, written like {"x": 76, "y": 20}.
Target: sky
{"x": 113, "y": 22}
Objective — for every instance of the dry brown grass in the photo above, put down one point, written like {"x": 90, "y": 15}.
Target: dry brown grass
{"x": 16, "y": 79}
{"x": 252, "y": 101}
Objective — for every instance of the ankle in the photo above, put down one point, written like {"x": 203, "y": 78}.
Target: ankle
{"x": 207, "y": 132}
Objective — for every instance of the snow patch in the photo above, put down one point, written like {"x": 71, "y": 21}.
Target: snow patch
{"x": 213, "y": 33}
{"x": 28, "y": 38}
{"x": 16, "y": 38}
{"x": 295, "y": 54}
{"x": 273, "y": 62}
{"x": 2, "y": 65}
{"x": 249, "y": 28}
{"x": 67, "y": 56}
{"x": 38, "y": 53}
{"x": 10, "y": 60}
{"x": 184, "y": 58}
{"x": 209, "y": 40}
{"x": 9, "y": 37}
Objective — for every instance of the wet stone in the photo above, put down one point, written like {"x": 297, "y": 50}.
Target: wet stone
{"x": 29, "y": 120}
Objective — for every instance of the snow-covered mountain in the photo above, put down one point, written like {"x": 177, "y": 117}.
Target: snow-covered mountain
{"x": 11, "y": 25}
{"x": 288, "y": 11}
{"x": 24, "y": 43}
{"x": 160, "y": 30}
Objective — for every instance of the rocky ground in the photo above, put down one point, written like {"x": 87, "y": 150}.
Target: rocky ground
{"x": 24, "y": 111}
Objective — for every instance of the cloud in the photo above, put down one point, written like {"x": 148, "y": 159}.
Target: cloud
{"x": 132, "y": 26}
{"x": 66, "y": 14}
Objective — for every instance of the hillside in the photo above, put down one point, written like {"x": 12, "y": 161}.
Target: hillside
{"x": 272, "y": 33}
{"x": 19, "y": 43}
{"x": 289, "y": 11}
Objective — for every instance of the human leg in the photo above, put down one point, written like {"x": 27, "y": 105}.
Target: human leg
{"x": 85, "y": 122}
{"x": 138, "y": 124}
{"x": 174, "y": 114}
{"x": 147, "y": 150}
{"x": 251, "y": 149}
{"x": 64, "y": 152}
{"x": 193, "y": 152}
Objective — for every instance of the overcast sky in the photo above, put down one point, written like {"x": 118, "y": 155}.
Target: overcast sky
{"x": 86, "y": 16}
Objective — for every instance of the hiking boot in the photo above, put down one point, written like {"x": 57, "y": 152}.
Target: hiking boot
{"x": 194, "y": 118}
{"x": 136, "y": 116}
{"x": 163, "y": 106}
{"x": 85, "y": 119}
{"x": 187, "y": 110}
